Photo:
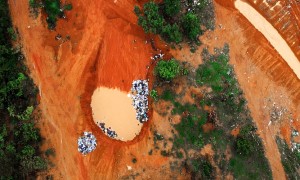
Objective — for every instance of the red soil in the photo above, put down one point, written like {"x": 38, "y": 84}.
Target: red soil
{"x": 103, "y": 52}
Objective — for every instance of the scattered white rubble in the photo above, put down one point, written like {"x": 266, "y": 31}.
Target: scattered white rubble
{"x": 139, "y": 98}
{"x": 87, "y": 143}
{"x": 295, "y": 133}
{"x": 108, "y": 131}
{"x": 129, "y": 168}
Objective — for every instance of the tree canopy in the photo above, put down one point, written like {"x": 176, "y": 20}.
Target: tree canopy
{"x": 191, "y": 26}
{"x": 151, "y": 21}
{"x": 20, "y": 155}
{"x": 171, "y": 7}
{"x": 167, "y": 69}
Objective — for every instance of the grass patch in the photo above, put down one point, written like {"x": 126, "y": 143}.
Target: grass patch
{"x": 228, "y": 110}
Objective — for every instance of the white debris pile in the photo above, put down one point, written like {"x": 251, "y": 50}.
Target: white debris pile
{"x": 278, "y": 112}
{"x": 157, "y": 56}
{"x": 139, "y": 97}
{"x": 295, "y": 133}
{"x": 296, "y": 147}
{"x": 108, "y": 131}
{"x": 87, "y": 143}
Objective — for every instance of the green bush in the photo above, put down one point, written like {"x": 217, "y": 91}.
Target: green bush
{"x": 171, "y": 33}
{"x": 171, "y": 7}
{"x": 191, "y": 26}
{"x": 68, "y": 7}
{"x": 151, "y": 21}
{"x": 167, "y": 70}
{"x": 153, "y": 94}
{"x": 244, "y": 146}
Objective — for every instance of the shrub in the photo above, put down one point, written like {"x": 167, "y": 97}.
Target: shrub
{"x": 167, "y": 70}
{"x": 191, "y": 26}
{"x": 171, "y": 7}
{"x": 244, "y": 146}
{"x": 68, "y": 7}
{"x": 153, "y": 94}
{"x": 171, "y": 33}
{"x": 151, "y": 21}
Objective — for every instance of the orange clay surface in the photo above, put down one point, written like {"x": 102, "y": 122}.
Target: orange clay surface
{"x": 108, "y": 49}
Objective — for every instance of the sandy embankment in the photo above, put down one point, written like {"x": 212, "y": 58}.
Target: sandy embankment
{"x": 113, "y": 107}
{"x": 262, "y": 25}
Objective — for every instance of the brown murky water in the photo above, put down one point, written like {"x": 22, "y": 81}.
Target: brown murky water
{"x": 113, "y": 107}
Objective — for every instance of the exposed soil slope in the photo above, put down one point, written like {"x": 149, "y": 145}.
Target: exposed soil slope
{"x": 103, "y": 52}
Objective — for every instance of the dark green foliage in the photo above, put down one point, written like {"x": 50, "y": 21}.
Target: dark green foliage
{"x": 248, "y": 160}
{"x": 200, "y": 168}
{"x": 190, "y": 132}
{"x": 226, "y": 95}
{"x": 50, "y": 152}
{"x": 289, "y": 159}
{"x": 176, "y": 21}
{"x": 229, "y": 110}
{"x": 171, "y": 7}
{"x": 134, "y": 160}
{"x": 191, "y": 26}
{"x": 168, "y": 95}
{"x": 68, "y": 7}
{"x": 53, "y": 8}
{"x": 151, "y": 21}
{"x": 20, "y": 157}
{"x": 165, "y": 153}
{"x": 153, "y": 94}
{"x": 167, "y": 70}
{"x": 179, "y": 154}
{"x": 245, "y": 142}
{"x": 171, "y": 33}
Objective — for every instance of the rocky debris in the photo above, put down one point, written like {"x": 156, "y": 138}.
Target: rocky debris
{"x": 87, "y": 143}
{"x": 157, "y": 56}
{"x": 277, "y": 112}
{"x": 110, "y": 133}
{"x": 295, "y": 133}
{"x": 140, "y": 92}
{"x": 296, "y": 147}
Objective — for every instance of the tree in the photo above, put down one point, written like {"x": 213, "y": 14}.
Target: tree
{"x": 153, "y": 94}
{"x": 171, "y": 7}
{"x": 191, "y": 26}
{"x": 151, "y": 21}
{"x": 244, "y": 146}
{"x": 167, "y": 69}
{"x": 171, "y": 33}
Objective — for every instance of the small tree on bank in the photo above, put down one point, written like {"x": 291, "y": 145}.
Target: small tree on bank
{"x": 171, "y": 7}
{"x": 167, "y": 70}
{"x": 151, "y": 21}
{"x": 191, "y": 26}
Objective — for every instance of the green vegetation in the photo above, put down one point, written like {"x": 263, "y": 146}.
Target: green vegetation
{"x": 171, "y": 7}
{"x": 289, "y": 159}
{"x": 134, "y": 160}
{"x": 241, "y": 156}
{"x": 167, "y": 70}
{"x": 176, "y": 20}
{"x": 20, "y": 155}
{"x": 150, "y": 21}
{"x": 171, "y": 33}
{"x": 201, "y": 169}
{"x": 52, "y": 8}
{"x": 191, "y": 26}
{"x": 153, "y": 94}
